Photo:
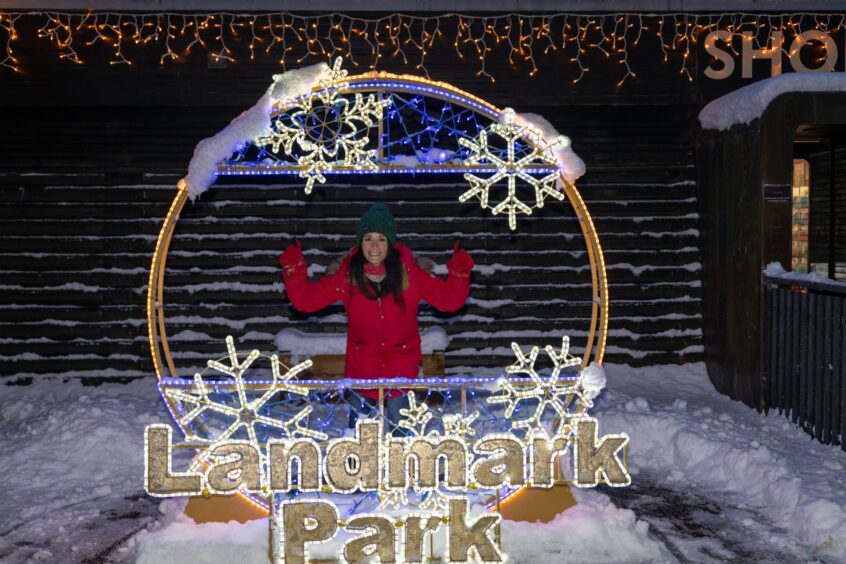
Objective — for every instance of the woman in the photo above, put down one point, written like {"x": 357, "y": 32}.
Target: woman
{"x": 381, "y": 286}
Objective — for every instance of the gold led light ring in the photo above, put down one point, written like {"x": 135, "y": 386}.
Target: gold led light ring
{"x": 382, "y": 82}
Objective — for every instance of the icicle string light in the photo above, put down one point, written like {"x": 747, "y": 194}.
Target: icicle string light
{"x": 401, "y": 38}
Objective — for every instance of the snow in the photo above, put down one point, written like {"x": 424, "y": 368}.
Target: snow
{"x": 748, "y": 103}
{"x": 776, "y": 270}
{"x": 597, "y": 531}
{"x": 309, "y": 344}
{"x": 760, "y": 489}
{"x": 594, "y": 380}
{"x": 69, "y": 457}
{"x": 572, "y": 166}
{"x": 210, "y": 152}
{"x": 73, "y": 286}
{"x": 638, "y": 270}
{"x": 189, "y": 335}
{"x": 184, "y": 541}
{"x": 275, "y": 287}
{"x": 682, "y": 429}
{"x": 433, "y": 156}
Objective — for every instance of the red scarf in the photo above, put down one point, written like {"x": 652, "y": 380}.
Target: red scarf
{"x": 375, "y": 270}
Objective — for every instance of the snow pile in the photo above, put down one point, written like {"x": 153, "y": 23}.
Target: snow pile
{"x": 572, "y": 166}
{"x": 592, "y": 531}
{"x": 748, "y": 103}
{"x": 433, "y": 339}
{"x": 684, "y": 433}
{"x": 183, "y": 541}
{"x": 593, "y": 380}
{"x": 304, "y": 344}
{"x": 72, "y": 481}
{"x": 252, "y": 123}
{"x": 71, "y": 465}
{"x": 310, "y": 344}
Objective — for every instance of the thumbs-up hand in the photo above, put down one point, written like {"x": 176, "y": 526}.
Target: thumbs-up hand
{"x": 461, "y": 263}
{"x": 292, "y": 259}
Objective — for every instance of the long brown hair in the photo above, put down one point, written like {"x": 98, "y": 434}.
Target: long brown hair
{"x": 393, "y": 283}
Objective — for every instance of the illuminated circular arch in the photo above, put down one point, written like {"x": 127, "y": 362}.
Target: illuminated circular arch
{"x": 378, "y": 85}
{"x": 381, "y": 83}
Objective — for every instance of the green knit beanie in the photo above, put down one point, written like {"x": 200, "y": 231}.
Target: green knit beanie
{"x": 378, "y": 219}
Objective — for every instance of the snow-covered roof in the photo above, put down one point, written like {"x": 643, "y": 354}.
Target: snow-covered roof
{"x": 748, "y": 103}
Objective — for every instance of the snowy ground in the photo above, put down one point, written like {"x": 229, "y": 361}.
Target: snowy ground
{"x": 712, "y": 481}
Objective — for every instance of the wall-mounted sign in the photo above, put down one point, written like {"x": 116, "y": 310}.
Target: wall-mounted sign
{"x": 778, "y": 193}
{"x": 719, "y": 44}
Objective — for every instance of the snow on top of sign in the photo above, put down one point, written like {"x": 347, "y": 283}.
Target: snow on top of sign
{"x": 594, "y": 380}
{"x": 748, "y": 103}
{"x": 572, "y": 166}
{"x": 253, "y": 122}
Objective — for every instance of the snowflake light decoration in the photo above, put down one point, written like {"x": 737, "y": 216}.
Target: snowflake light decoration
{"x": 551, "y": 392}
{"x": 460, "y": 425}
{"x": 248, "y": 413}
{"x": 415, "y": 417}
{"x": 392, "y": 497}
{"x": 509, "y": 167}
{"x": 329, "y": 130}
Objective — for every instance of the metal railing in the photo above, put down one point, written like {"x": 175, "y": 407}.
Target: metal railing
{"x": 805, "y": 354}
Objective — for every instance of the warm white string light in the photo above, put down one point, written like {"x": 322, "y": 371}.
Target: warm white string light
{"x": 401, "y": 38}
{"x": 509, "y": 168}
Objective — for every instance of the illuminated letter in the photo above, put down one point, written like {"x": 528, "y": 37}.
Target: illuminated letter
{"x": 462, "y": 538}
{"x": 504, "y": 467}
{"x": 159, "y": 479}
{"x": 593, "y": 458}
{"x": 294, "y": 515}
{"x": 308, "y": 462}
{"x": 380, "y": 536}
{"x": 415, "y": 536}
{"x": 351, "y": 464}
{"x": 542, "y": 460}
{"x": 234, "y": 464}
{"x": 773, "y": 53}
{"x": 723, "y": 56}
{"x": 402, "y": 454}
{"x": 795, "y": 53}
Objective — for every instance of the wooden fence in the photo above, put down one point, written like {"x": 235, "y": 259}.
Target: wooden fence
{"x": 804, "y": 354}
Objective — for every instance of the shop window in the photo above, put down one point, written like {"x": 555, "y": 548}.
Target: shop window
{"x": 801, "y": 215}
{"x": 818, "y": 222}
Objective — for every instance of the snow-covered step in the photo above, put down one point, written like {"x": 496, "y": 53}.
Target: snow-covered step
{"x": 77, "y": 252}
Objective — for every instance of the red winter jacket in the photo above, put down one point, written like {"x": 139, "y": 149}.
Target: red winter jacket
{"x": 383, "y": 340}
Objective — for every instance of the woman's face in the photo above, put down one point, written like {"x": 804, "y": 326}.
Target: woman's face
{"x": 375, "y": 248}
